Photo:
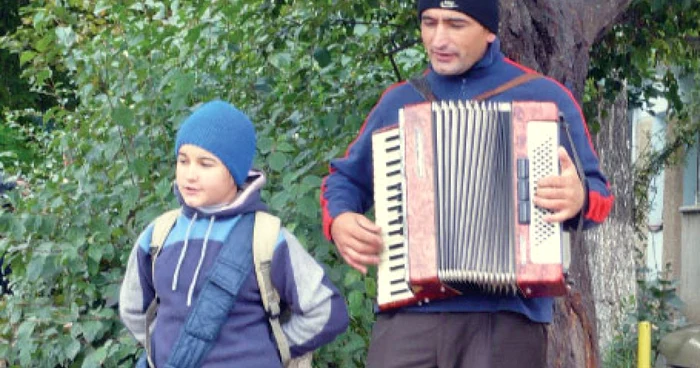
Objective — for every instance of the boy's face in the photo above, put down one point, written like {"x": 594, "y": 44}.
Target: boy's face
{"x": 202, "y": 178}
{"x": 453, "y": 40}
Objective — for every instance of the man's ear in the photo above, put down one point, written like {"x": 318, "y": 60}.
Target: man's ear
{"x": 491, "y": 37}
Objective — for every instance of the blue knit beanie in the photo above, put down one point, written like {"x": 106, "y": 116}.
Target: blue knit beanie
{"x": 484, "y": 11}
{"x": 226, "y": 132}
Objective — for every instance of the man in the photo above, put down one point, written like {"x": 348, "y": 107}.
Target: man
{"x": 473, "y": 329}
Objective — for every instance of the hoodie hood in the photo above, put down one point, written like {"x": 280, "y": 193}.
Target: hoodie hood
{"x": 248, "y": 200}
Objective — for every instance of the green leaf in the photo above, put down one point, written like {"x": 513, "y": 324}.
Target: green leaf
{"x": 281, "y": 60}
{"x": 265, "y": 144}
{"x": 312, "y": 181}
{"x": 352, "y": 278}
{"x": 278, "y": 161}
{"x": 95, "y": 358}
{"x": 43, "y": 43}
{"x": 322, "y": 56}
{"x": 91, "y": 330}
{"x": 72, "y": 349}
{"x": 360, "y": 30}
{"x": 26, "y": 57}
{"x": 285, "y": 147}
{"x": 35, "y": 267}
{"x": 356, "y": 300}
{"x": 122, "y": 115}
{"x": 184, "y": 84}
{"x": 65, "y": 35}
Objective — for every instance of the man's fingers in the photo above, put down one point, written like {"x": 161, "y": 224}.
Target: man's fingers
{"x": 554, "y": 205}
{"x": 565, "y": 160}
{"x": 560, "y": 216}
{"x": 368, "y": 225}
{"x": 358, "y": 266}
{"x": 358, "y": 255}
{"x": 358, "y": 240}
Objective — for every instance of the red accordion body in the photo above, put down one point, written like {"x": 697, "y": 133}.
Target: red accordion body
{"x": 453, "y": 189}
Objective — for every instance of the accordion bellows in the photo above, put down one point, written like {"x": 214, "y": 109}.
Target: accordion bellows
{"x": 453, "y": 184}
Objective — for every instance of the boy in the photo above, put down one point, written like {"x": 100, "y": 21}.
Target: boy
{"x": 216, "y": 187}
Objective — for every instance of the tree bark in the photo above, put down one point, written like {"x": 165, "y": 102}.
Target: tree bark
{"x": 554, "y": 37}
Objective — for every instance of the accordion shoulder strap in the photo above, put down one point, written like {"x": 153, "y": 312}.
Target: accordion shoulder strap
{"x": 420, "y": 83}
{"x": 524, "y": 78}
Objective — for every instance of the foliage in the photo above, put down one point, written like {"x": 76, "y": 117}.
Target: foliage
{"x": 134, "y": 70}
{"x": 17, "y": 136}
{"x": 658, "y": 303}
{"x": 14, "y": 92}
{"x": 649, "y": 54}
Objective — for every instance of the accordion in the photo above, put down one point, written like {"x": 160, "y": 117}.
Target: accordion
{"x": 453, "y": 189}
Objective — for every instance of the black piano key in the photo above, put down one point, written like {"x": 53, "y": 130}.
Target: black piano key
{"x": 398, "y": 292}
{"x": 396, "y": 257}
{"x": 396, "y": 221}
{"x": 396, "y": 246}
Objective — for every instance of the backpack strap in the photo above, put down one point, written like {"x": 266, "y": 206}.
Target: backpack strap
{"x": 161, "y": 228}
{"x": 216, "y": 299}
{"x": 265, "y": 233}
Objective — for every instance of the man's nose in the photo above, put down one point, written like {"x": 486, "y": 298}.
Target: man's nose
{"x": 440, "y": 37}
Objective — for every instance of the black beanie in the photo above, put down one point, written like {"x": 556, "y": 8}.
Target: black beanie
{"x": 484, "y": 11}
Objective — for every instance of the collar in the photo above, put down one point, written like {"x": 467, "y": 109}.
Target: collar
{"x": 247, "y": 200}
{"x": 492, "y": 56}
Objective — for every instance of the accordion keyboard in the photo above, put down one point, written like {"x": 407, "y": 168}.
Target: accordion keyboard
{"x": 392, "y": 286}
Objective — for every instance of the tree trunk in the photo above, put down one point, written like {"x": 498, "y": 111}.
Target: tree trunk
{"x": 554, "y": 37}
{"x": 612, "y": 246}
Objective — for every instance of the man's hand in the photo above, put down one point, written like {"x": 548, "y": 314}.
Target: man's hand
{"x": 358, "y": 240}
{"x": 563, "y": 194}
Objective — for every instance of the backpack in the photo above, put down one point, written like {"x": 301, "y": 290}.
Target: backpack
{"x": 265, "y": 231}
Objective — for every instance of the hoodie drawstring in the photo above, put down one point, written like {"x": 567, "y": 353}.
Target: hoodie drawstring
{"x": 201, "y": 260}
{"x": 182, "y": 253}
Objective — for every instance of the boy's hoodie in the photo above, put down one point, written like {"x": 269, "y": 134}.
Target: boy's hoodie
{"x": 318, "y": 310}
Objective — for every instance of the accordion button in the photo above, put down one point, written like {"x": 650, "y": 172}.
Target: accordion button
{"x": 523, "y": 189}
{"x": 524, "y": 212}
{"x": 523, "y": 168}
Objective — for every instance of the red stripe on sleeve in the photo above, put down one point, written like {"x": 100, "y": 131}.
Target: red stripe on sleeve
{"x": 599, "y": 206}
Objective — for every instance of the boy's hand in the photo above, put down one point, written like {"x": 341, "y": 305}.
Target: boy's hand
{"x": 358, "y": 240}
{"x": 562, "y": 194}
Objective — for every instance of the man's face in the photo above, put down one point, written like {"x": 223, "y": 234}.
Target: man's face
{"x": 454, "y": 41}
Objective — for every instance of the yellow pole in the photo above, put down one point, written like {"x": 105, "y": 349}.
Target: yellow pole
{"x": 644, "y": 345}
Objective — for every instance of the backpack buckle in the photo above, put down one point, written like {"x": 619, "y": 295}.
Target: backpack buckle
{"x": 273, "y": 311}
